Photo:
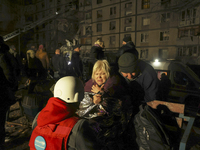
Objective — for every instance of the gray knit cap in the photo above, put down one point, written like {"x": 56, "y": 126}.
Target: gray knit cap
{"x": 127, "y": 63}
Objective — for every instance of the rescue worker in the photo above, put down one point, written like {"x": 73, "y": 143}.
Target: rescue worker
{"x": 58, "y": 127}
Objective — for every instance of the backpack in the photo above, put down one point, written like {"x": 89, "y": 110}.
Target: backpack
{"x": 150, "y": 131}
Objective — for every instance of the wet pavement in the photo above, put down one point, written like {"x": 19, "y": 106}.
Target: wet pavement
{"x": 18, "y": 130}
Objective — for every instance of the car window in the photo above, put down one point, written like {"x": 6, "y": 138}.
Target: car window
{"x": 180, "y": 78}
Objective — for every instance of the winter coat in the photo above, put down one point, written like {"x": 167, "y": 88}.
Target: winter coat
{"x": 57, "y": 62}
{"x": 43, "y": 57}
{"x": 146, "y": 87}
{"x": 129, "y": 47}
{"x": 96, "y": 53}
{"x": 58, "y": 112}
{"x": 15, "y": 64}
{"x": 73, "y": 67}
{"x": 113, "y": 88}
{"x": 77, "y": 64}
{"x": 8, "y": 80}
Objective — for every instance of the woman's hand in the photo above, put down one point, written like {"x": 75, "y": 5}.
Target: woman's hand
{"x": 96, "y": 88}
{"x": 96, "y": 98}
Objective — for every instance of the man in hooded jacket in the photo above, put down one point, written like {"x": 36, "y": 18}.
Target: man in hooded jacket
{"x": 58, "y": 127}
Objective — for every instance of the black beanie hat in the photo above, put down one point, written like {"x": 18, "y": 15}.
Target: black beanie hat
{"x": 127, "y": 39}
{"x": 127, "y": 63}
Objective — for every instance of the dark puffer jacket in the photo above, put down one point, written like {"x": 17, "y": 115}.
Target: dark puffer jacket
{"x": 96, "y": 53}
{"x": 147, "y": 88}
{"x": 57, "y": 63}
{"x": 77, "y": 64}
{"x": 129, "y": 47}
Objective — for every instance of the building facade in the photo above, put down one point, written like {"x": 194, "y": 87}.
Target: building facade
{"x": 160, "y": 29}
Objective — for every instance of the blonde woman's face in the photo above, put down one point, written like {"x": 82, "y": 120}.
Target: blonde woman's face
{"x": 100, "y": 77}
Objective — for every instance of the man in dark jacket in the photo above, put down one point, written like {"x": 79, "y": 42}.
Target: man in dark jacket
{"x": 141, "y": 77}
{"x": 8, "y": 83}
{"x": 57, "y": 62}
{"x": 76, "y": 62}
{"x": 97, "y": 52}
{"x": 17, "y": 61}
{"x": 128, "y": 46}
{"x": 34, "y": 65}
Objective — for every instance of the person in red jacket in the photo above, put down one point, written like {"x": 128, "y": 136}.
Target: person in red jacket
{"x": 58, "y": 127}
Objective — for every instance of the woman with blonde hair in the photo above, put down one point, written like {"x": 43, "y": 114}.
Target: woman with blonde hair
{"x": 100, "y": 86}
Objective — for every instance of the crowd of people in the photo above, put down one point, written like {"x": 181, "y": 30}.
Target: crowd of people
{"x": 93, "y": 114}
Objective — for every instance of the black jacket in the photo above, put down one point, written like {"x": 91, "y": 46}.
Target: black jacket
{"x": 129, "y": 47}
{"x": 96, "y": 53}
{"x": 57, "y": 62}
{"x": 146, "y": 84}
{"x": 77, "y": 64}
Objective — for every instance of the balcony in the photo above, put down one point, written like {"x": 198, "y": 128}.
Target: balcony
{"x": 188, "y": 22}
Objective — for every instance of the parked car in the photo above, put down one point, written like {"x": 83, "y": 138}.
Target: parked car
{"x": 185, "y": 84}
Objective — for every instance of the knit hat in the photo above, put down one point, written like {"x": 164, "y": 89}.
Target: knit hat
{"x": 127, "y": 63}
{"x": 41, "y": 46}
{"x": 127, "y": 39}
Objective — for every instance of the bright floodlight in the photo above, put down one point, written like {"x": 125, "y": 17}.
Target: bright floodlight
{"x": 156, "y": 63}
{"x": 56, "y": 13}
{"x": 156, "y": 60}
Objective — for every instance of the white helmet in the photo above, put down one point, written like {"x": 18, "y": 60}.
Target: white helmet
{"x": 70, "y": 89}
